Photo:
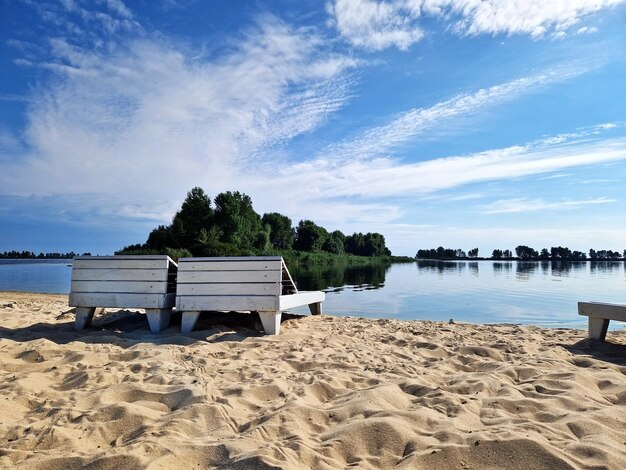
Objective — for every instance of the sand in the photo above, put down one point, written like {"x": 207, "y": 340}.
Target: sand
{"x": 327, "y": 393}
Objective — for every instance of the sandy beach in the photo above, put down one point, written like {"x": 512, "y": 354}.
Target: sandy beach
{"x": 327, "y": 393}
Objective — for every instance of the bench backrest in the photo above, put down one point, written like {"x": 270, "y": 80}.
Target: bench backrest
{"x": 232, "y": 283}
{"x": 129, "y": 281}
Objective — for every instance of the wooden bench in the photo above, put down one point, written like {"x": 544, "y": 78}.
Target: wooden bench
{"x": 146, "y": 282}
{"x": 599, "y": 316}
{"x": 257, "y": 284}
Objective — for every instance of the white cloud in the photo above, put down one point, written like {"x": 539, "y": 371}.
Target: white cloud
{"x": 389, "y": 177}
{"x": 515, "y": 205}
{"x": 144, "y": 121}
{"x": 587, "y": 30}
{"x": 377, "y": 25}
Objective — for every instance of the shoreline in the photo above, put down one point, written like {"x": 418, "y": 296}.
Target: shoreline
{"x": 328, "y": 392}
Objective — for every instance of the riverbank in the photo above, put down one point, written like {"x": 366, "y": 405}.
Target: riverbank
{"x": 327, "y": 393}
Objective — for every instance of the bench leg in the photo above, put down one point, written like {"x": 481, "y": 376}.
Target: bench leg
{"x": 158, "y": 318}
{"x": 598, "y": 327}
{"x": 84, "y": 315}
{"x": 271, "y": 322}
{"x": 188, "y": 322}
{"x": 316, "y": 308}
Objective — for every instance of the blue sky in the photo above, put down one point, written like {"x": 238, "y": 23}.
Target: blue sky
{"x": 461, "y": 123}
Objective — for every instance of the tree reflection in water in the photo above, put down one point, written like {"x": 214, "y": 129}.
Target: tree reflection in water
{"x": 339, "y": 277}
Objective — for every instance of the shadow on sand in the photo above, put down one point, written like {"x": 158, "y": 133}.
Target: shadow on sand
{"x": 126, "y": 328}
{"x": 607, "y": 351}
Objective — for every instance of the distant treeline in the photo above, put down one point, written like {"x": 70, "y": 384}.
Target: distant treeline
{"x": 446, "y": 253}
{"x": 523, "y": 252}
{"x": 31, "y": 255}
{"x": 231, "y": 227}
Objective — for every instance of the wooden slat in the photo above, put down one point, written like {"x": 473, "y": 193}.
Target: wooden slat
{"x": 300, "y": 299}
{"x": 602, "y": 310}
{"x": 136, "y": 287}
{"x": 232, "y": 258}
{"x": 124, "y": 257}
{"x": 271, "y": 288}
{"x": 226, "y": 302}
{"x": 247, "y": 265}
{"x": 120, "y": 263}
{"x": 119, "y": 274}
{"x": 228, "y": 276}
{"x": 122, "y": 300}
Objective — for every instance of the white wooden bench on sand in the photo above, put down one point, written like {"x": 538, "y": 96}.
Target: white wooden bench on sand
{"x": 146, "y": 282}
{"x": 599, "y": 316}
{"x": 256, "y": 283}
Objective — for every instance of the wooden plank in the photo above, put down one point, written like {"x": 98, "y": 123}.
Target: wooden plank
{"x": 247, "y": 265}
{"x": 119, "y": 274}
{"x": 112, "y": 257}
{"x": 120, "y": 263}
{"x": 232, "y": 258}
{"x": 136, "y": 287}
{"x": 226, "y": 302}
{"x": 300, "y": 299}
{"x": 228, "y": 276}
{"x": 602, "y": 310}
{"x": 121, "y": 300}
{"x": 243, "y": 288}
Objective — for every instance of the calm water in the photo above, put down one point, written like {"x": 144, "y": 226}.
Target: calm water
{"x": 49, "y": 276}
{"x": 539, "y": 293}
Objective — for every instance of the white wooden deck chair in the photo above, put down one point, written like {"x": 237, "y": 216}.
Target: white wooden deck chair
{"x": 256, "y": 283}
{"x": 147, "y": 282}
{"x": 599, "y": 315}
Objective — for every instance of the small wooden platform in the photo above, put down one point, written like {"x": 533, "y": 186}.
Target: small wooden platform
{"x": 147, "y": 282}
{"x": 256, "y": 283}
{"x": 599, "y": 316}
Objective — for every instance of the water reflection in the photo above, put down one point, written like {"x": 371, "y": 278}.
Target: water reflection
{"x": 502, "y": 267}
{"x": 441, "y": 267}
{"x": 605, "y": 266}
{"x": 525, "y": 269}
{"x": 339, "y": 277}
{"x": 473, "y": 268}
{"x": 563, "y": 268}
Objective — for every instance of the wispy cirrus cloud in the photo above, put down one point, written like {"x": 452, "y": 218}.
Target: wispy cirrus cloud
{"x": 391, "y": 177}
{"x": 382, "y": 140}
{"x": 515, "y": 205}
{"x": 378, "y": 25}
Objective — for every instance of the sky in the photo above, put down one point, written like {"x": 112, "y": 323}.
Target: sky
{"x": 455, "y": 123}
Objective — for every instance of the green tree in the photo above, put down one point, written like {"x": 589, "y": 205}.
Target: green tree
{"x": 375, "y": 245}
{"x": 194, "y": 215}
{"x": 473, "y": 253}
{"x": 524, "y": 252}
{"x": 160, "y": 238}
{"x": 355, "y": 243}
{"x": 309, "y": 236}
{"x": 335, "y": 242}
{"x": 262, "y": 242}
{"x": 281, "y": 232}
{"x": 236, "y": 219}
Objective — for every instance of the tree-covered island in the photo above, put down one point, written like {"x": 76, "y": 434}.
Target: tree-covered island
{"x": 229, "y": 226}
